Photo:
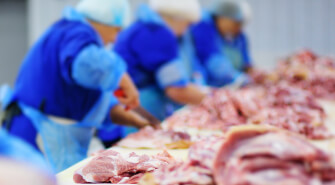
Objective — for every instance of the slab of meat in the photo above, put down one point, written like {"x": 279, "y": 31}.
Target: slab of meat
{"x": 298, "y": 119}
{"x": 303, "y": 70}
{"x": 156, "y": 139}
{"x": 279, "y": 105}
{"x": 202, "y": 152}
{"x": 196, "y": 170}
{"x": 179, "y": 174}
{"x": 261, "y": 156}
{"x": 112, "y": 167}
{"x": 216, "y": 112}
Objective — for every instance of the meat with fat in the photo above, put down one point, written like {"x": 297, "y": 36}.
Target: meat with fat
{"x": 259, "y": 156}
{"x": 150, "y": 138}
{"x": 113, "y": 167}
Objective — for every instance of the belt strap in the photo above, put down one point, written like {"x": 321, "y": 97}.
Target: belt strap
{"x": 8, "y": 115}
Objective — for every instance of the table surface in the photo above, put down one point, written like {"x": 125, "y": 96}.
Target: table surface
{"x": 65, "y": 177}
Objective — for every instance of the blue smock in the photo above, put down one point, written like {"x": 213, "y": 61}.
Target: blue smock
{"x": 224, "y": 60}
{"x": 151, "y": 51}
{"x": 69, "y": 74}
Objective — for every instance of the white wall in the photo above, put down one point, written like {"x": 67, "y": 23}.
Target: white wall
{"x": 281, "y": 27}
{"x": 13, "y": 38}
{"x": 277, "y": 28}
{"x": 42, "y": 13}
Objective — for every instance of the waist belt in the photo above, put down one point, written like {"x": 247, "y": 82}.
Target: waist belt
{"x": 14, "y": 110}
{"x": 10, "y": 112}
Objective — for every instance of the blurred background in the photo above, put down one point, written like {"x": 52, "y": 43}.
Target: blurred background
{"x": 277, "y": 28}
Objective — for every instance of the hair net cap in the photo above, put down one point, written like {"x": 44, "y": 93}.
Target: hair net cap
{"x": 237, "y": 10}
{"x": 184, "y": 9}
{"x": 109, "y": 12}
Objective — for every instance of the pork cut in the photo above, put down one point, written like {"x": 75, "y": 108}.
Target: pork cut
{"x": 216, "y": 112}
{"x": 156, "y": 139}
{"x": 196, "y": 170}
{"x": 113, "y": 167}
{"x": 279, "y": 105}
{"x": 304, "y": 70}
{"x": 260, "y": 156}
{"x": 179, "y": 174}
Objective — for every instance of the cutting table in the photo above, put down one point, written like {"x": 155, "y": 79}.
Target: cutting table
{"x": 65, "y": 177}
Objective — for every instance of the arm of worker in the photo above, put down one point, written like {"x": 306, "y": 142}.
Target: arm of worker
{"x": 100, "y": 69}
{"x": 137, "y": 117}
{"x": 131, "y": 98}
{"x": 190, "y": 94}
{"x": 172, "y": 78}
{"x": 128, "y": 118}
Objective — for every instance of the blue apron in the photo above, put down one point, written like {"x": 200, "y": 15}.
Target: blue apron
{"x": 232, "y": 52}
{"x": 192, "y": 66}
{"x": 64, "y": 144}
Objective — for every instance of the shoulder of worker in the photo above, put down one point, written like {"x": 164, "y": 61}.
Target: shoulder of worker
{"x": 205, "y": 26}
{"x": 148, "y": 33}
{"x": 74, "y": 27}
{"x": 147, "y": 43}
{"x": 204, "y": 35}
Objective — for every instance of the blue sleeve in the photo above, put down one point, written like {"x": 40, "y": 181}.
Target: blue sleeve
{"x": 172, "y": 74}
{"x": 246, "y": 53}
{"x": 98, "y": 68}
{"x": 78, "y": 37}
{"x": 113, "y": 102}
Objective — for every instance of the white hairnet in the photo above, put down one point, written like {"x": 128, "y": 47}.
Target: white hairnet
{"x": 109, "y": 12}
{"x": 238, "y": 10}
{"x": 184, "y": 9}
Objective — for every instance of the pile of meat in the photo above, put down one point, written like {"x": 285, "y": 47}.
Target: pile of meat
{"x": 198, "y": 169}
{"x": 279, "y": 105}
{"x": 149, "y": 138}
{"x": 304, "y": 70}
{"x": 112, "y": 167}
{"x": 252, "y": 155}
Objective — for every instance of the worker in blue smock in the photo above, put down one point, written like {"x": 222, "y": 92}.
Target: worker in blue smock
{"x": 150, "y": 48}
{"x": 220, "y": 44}
{"x": 21, "y": 164}
{"x": 65, "y": 85}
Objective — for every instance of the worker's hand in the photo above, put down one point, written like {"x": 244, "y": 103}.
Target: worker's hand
{"x": 131, "y": 95}
{"x": 156, "y": 126}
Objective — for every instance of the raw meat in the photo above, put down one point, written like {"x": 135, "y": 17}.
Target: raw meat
{"x": 151, "y": 138}
{"x": 196, "y": 170}
{"x": 202, "y": 153}
{"x": 248, "y": 101}
{"x": 179, "y": 174}
{"x": 279, "y": 105}
{"x": 259, "y": 156}
{"x": 303, "y": 70}
{"x": 113, "y": 167}
{"x": 216, "y": 112}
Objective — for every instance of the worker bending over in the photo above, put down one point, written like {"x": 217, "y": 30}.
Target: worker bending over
{"x": 220, "y": 44}
{"x": 65, "y": 85}
{"x": 150, "y": 46}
